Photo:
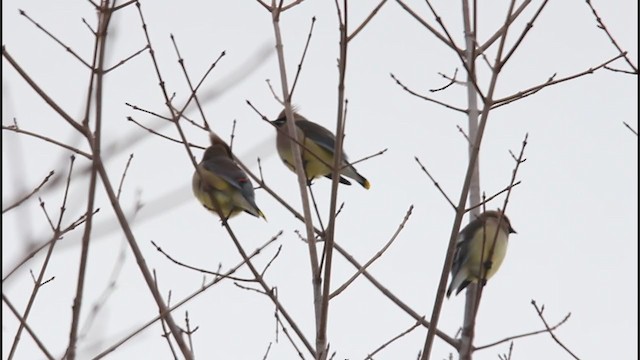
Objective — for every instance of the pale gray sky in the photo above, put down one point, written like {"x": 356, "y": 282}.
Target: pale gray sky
{"x": 575, "y": 211}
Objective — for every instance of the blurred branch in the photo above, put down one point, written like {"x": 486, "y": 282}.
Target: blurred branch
{"x": 39, "y": 282}
{"x": 62, "y": 232}
{"x": 24, "y": 324}
{"x": 179, "y": 304}
{"x": 16, "y": 129}
{"x": 26, "y": 197}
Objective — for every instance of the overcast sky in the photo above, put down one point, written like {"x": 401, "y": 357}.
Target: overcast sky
{"x": 575, "y": 210}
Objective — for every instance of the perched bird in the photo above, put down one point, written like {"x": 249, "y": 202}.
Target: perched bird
{"x": 475, "y": 239}
{"x": 219, "y": 177}
{"x": 318, "y": 152}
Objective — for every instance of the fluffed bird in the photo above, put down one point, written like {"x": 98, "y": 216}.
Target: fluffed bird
{"x": 475, "y": 239}
{"x": 219, "y": 177}
{"x": 318, "y": 152}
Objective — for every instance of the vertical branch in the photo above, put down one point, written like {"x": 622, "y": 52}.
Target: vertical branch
{"x": 473, "y": 158}
{"x": 98, "y": 166}
{"x": 466, "y": 337}
{"x": 337, "y": 161}
{"x": 101, "y": 39}
{"x": 299, "y": 166}
{"x": 57, "y": 234}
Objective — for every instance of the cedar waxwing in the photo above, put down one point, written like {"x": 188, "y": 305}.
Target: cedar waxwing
{"x": 225, "y": 181}
{"x": 474, "y": 239}
{"x": 319, "y": 143}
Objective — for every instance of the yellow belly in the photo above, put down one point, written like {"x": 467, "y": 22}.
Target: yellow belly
{"x": 482, "y": 244}
{"x": 314, "y": 159}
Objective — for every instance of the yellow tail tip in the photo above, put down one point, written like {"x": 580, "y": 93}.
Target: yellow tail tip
{"x": 367, "y": 184}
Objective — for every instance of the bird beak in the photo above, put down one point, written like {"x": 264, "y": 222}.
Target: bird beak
{"x": 278, "y": 122}
{"x": 511, "y": 231}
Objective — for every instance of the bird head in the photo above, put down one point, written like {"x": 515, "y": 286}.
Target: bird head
{"x": 496, "y": 214}
{"x": 282, "y": 117}
{"x": 218, "y": 147}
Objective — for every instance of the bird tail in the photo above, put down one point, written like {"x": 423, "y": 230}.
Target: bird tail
{"x": 458, "y": 283}
{"x": 351, "y": 172}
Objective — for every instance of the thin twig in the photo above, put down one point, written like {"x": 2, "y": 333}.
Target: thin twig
{"x": 55, "y": 39}
{"x": 47, "y": 139}
{"x": 81, "y": 219}
{"x": 173, "y": 140}
{"x": 404, "y": 307}
{"x": 26, "y": 326}
{"x": 413, "y": 327}
{"x": 539, "y": 311}
{"x": 602, "y": 26}
{"x": 551, "y": 81}
{"x": 426, "y": 97}
{"x": 165, "y": 332}
{"x": 630, "y": 128}
{"x": 485, "y": 201}
{"x": 123, "y": 61}
{"x": 375, "y": 257}
{"x": 452, "y": 80}
{"x": 124, "y": 174}
{"x": 514, "y": 337}
{"x": 435, "y": 183}
{"x": 217, "y": 274}
{"x": 188, "y": 79}
{"x": 304, "y": 53}
{"x": 366, "y": 21}
{"x": 38, "y": 283}
{"x": 179, "y": 304}
{"x": 26, "y": 197}
{"x": 189, "y": 332}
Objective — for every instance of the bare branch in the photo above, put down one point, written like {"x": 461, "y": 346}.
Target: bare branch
{"x": 183, "y": 301}
{"x": 426, "y": 97}
{"x": 123, "y": 61}
{"x": 602, "y": 26}
{"x": 539, "y": 311}
{"x": 551, "y": 81}
{"x": 26, "y": 326}
{"x": 304, "y": 53}
{"x": 375, "y": 257}
{"x": 47, "y": 139}
{"x": 435, "y": 183}
{"x": 55, "y": 39}
{"x": 366, "y": 21}
{"x": 635, "y": 132}
{"x": 26, "y": 197}
{"x": 515, "y": 337}
{"x": 413, "y": 327}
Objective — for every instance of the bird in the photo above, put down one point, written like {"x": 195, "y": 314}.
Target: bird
{"x": 219, "y": 177}
{"x": 475, "y": 239}
{"x": 318, "y": 152}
